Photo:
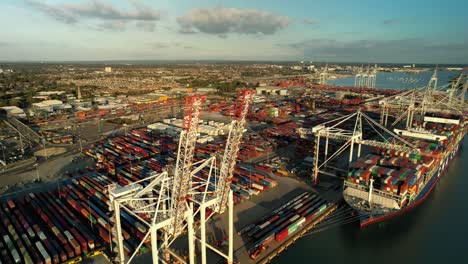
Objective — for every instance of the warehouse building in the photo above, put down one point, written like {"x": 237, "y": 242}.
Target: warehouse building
{"x": 13, "y": 111}
{"x": 271, "y": 90}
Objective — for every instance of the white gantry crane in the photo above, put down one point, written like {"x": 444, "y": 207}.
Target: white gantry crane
{"x": 372, "y": 78}
{"x": 358, "y": 78}
{"x": 428, "y": 99}
{"x": 338, "y": 129}
{"x": 366, "y": 79}
{"x": 324, "y": 76}
{"x": 408, "y": 105}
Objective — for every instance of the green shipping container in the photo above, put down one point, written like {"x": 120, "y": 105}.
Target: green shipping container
{"x": 292, "y": 228}
{"x": 322, "y": 208}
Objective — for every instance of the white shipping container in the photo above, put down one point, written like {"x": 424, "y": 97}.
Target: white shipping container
{"x": 387, "y": 180}
{"x": 257, "y": 186}
{"x": 264, "y": 224}
{"x": 294, "y": 218}
{"x": 301, "y": 221}
{"x": 253, "y": 192}
{"x": 43, "y": 252}
{"x": 297, "y": 206}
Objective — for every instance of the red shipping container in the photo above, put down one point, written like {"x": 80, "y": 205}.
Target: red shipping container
{"x": 281, "y": 235}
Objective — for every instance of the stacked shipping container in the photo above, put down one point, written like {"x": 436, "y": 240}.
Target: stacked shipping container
{"x": 401, "y": 173}
{"x": 283, "y": 221}
{"x": 142, "y": 152}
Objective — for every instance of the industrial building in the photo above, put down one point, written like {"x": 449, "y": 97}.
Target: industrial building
{"x": 13, "y": 111}
{"x": 47, "y": 105}
{"x": 271, "y": 90}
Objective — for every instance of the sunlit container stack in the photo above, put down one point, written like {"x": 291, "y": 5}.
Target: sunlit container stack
{"x": 72, "y": 220}
{"x": 48, "y": 227}
{"x": 283, "y": 222}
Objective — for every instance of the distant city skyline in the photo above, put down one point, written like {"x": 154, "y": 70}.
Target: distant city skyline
{"x": 417, "y": 31}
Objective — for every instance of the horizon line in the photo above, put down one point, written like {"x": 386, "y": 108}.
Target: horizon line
{"x": 100, "y": 61}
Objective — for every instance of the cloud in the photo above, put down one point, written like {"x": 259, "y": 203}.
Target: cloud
{"x": 165, "y": 45}
{"x": 390, "y": 21}
{"x": 115, "y": 25}
{"x": 171, "y": 44}
{"x": 146, "y": 26}
{"x": 99, "y": 10}
{"x": 308, "y": 21}
{"x": 399, "y": 50}
{"x": 222, "y": 20}
{"x": 187, "y": 31}
{"x": 59, "y": 14}
{"x": 160, "y": 45}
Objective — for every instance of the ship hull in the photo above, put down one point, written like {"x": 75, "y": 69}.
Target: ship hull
{"x": 366, "y": 219}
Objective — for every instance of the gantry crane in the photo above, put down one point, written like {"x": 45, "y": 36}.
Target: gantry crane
{"x": 334, "y": 129}
{"x": 231, "y": 151}
{"x": 366, "y": 79}
{"x": 182, "y": 172}
{"x": 223, "y": 193}
{"x": 424, "y": 100}
{"x": 222, "y": 197}
{"x": 324, "y": 76}
{"x": 164, "y": 201}
{"x": 428, "y": 99}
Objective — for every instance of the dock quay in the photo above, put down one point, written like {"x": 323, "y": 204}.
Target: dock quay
{"x": 284, "y": 246}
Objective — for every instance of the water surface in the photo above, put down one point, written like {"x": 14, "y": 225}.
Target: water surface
{"x": 401, "y": 80}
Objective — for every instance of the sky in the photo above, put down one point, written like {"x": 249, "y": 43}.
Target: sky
{"x": 397, "y": 31}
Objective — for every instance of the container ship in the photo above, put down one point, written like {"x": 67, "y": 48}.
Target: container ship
{"x": 387, "y": 182}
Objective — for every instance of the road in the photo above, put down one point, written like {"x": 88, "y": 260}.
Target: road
{"x": 47, "y": 171}
{"x": 56, "y": 167}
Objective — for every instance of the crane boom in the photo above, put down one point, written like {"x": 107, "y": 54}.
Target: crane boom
{"x": 182, "y": 172}
{"x": 231, "y": 151}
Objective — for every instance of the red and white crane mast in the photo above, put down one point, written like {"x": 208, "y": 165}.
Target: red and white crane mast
{"x": 183, "y": 168}
{"x": 163, "y": 201}
{"x": 231, "y": 151}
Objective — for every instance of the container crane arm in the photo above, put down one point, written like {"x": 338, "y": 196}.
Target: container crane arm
{"x": 231, "y": 151}
{"x": 183, "y": 168}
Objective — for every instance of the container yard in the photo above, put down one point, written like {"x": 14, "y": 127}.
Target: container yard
{"x": 84, "y": 203}
{"x": 32, "y": 232}
{"x": 283, "y": 222}
{"x": 135, "y": 131}
{"x": 271, "y": 180}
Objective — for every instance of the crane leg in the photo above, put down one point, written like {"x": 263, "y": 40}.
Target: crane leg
{"x": 154, "y": 245}
{"x": 231, "y": 228}
{"x": 191, "y": 237}
{"x": 351, "y": 151}
{"x": 203, "y": 233}
{"x": 317, "y": 145}
{"x": 121, "y": 254}
{"x": 326, "y": 151}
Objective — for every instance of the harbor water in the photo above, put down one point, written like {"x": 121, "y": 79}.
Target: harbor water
{"x": 402, "y": 80}
{"x": 434, "y": 232}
